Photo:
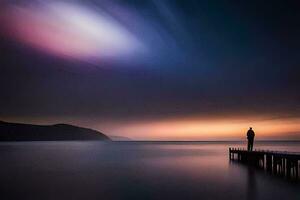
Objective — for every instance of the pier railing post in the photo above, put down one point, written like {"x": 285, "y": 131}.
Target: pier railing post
{"x": 269, "y": 162}
{"x": 288, "y": 168}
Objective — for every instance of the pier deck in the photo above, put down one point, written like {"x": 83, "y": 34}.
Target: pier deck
{"x": 277, "y": 162}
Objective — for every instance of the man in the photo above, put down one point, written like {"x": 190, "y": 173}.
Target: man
{"x": 250, "y": 137}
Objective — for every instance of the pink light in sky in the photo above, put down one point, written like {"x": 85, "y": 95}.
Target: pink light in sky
{"x": 70, "y": 30}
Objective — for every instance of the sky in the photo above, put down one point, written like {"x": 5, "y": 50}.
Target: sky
{"x": 153, "y": 69}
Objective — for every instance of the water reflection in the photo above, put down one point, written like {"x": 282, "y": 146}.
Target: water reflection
{"x": 93, "y": 170}
{"x": 251, "y": 184}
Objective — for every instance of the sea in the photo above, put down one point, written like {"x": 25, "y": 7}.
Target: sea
{"x": 92, "y": 170}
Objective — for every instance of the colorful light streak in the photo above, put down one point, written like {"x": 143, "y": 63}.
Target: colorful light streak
{"x": 70, "y": 30}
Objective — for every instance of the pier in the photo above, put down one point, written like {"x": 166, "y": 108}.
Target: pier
{"x": 280, "y": 163}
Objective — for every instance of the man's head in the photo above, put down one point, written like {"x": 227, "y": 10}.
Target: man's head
{"x": 250, "y": 128}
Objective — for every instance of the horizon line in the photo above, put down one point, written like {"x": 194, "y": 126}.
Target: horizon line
{"x": 204, "y": 140}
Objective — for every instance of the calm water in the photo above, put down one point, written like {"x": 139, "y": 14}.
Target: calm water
{"x": 135, "y": 170}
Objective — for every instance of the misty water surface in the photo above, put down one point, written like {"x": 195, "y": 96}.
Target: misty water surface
{"x": 136, "y": 170}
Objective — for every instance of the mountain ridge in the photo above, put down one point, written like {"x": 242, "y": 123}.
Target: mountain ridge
{"x": 10, "y": 131}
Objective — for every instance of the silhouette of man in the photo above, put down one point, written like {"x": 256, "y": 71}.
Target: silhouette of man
{"x": 250, "y": 137}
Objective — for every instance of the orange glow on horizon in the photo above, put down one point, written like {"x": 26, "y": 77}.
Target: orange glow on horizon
{"x": 210, "y": 129}
{"x": 193, "y": 128}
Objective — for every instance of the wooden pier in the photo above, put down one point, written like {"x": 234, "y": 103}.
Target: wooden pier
{"x": 279, "y": 163}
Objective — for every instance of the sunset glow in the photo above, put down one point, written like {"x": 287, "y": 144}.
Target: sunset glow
{"x": 193, "y": 128}
{"x": 210, "y": 129}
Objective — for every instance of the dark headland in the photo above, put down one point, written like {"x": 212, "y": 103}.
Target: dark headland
{"x": 57, "y": 132}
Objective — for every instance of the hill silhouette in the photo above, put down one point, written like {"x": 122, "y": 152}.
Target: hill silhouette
{"x": 29, "y": 132}
{"x": 119, "y": 138}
